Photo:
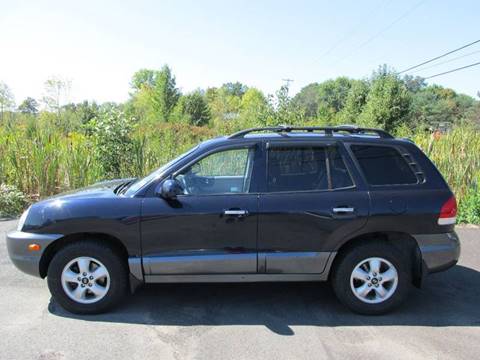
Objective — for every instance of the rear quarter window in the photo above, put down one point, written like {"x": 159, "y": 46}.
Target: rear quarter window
{"x": 383, "y": 165}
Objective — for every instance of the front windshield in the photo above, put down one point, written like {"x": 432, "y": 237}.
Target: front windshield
{"x": 137, "y": 185}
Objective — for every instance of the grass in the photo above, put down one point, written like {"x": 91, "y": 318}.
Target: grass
{"x": 40, "y": 159}
{"x": 457, "y": 156}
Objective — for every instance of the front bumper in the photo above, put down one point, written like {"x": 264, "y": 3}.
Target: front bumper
{"x": 24, "y": 259}
{"x": 439, "y": 251}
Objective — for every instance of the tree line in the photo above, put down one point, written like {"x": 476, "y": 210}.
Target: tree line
{"x": 384, "y": 100}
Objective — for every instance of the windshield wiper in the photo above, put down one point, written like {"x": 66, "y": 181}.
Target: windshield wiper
{"x": 120, "y": 189}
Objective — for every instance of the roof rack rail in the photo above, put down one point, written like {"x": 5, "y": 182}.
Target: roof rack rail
{"x": 328, "y": 130}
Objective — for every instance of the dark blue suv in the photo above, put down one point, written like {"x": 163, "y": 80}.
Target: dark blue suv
{"x": 366, "y": 211}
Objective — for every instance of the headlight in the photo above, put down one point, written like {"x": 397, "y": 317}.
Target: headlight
{"x": 21, "y": 222}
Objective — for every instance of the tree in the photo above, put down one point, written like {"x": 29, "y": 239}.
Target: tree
{"x": 235, "y": 89}
{"x": 194, "y": 108}
{"x": 332, "y": 95}
{"x": 29, "y": 106}
{"x": 143, "y": 77}
{"x": 223, "y": 105}
{"x": 81, "y": 113}
{"x": 155, "y": 93}
{"x": 57, "y": 91}
{"x": 87, "y": 111}
{"x": 473, "y": 114}
{"x": 282, "y": 110}
{"x": 7, "y": 100}
{"x": 165, "y": 95}
{"x": 355, "y": 102}
{"x": 324, "y": 100}
{"x": 434, "y": 104}
{"x": 388, "y": 102}
{"x": 308, "y": 99}
{"x": 414, "y": 84}
{"x": 253, "y": 108}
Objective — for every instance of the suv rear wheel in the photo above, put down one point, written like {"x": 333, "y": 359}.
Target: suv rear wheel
{"x": 371, "y": 278}
{"x": 87, "y": 277}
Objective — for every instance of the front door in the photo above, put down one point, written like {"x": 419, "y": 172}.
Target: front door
{"x": 310, "y": 203}
{"x": 212, "y": 227}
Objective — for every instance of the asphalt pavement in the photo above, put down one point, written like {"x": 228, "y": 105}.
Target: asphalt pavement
{"x": 245, "y": 321}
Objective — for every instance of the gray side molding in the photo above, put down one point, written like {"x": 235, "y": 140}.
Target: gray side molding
{"x": 187, "y": 264}
{"x": 226, "y": 278}
{"x": 294, "y": 262}
{"x": 231, "y": 278}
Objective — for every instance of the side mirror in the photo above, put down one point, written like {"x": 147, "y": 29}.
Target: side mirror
{"x": 169, "y": 189}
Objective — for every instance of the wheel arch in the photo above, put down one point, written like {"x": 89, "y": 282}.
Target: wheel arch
{"x": 54, "y": 247}
{"x": 403, "y": 242}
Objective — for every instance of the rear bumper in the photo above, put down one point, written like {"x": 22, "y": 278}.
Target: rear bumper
{"x": 24, "y": 259}
{"x": 439, "y": 251}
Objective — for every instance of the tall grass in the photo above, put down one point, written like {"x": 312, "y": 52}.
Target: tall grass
{"x": 457, "y": 156}
{"x": 42, "y": 160}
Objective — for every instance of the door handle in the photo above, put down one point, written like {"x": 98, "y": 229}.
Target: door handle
{"x": 239, "y": 213}
{"x": 343, "y": 210}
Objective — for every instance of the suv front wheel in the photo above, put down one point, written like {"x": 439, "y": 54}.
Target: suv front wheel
{"x": 372, "y": 278}
{"x": 87, "y": 277}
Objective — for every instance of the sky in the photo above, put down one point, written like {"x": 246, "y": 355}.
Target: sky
{"x": 98, "y": 45}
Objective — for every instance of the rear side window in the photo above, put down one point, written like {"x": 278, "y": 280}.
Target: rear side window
{"x": 305, "y": 168}
{"x": 383, "y": 165}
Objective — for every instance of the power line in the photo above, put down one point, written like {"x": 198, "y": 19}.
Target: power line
{"x": 386, "y": 28}
{"x": 352, "y": 31}
{"x": 446, "y": 62}
{"x": 450, "y": 71}
{"x": 438, "y": 57}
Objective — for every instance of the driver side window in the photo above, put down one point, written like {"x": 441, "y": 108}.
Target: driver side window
{"x": 223, "y": 172}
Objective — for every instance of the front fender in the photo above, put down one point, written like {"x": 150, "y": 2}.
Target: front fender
{"x": 118, "y": 217}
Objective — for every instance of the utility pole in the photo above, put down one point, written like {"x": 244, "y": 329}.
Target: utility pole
{"x": 287, "y": 81}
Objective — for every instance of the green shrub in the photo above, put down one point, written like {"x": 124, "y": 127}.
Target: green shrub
{"x": 12, "y": 201}
{"x": 469, "y": 207}
{"x": 112, "y": 132}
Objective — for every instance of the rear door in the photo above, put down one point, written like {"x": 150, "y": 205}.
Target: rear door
{"x": 310, "y": 201}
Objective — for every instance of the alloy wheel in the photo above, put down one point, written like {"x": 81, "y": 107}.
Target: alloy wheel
{"x": 85, "y": 280}
{"x": 374, "y": 280}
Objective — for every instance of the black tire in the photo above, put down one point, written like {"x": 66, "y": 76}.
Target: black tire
{"x": 108, "y": 256}
{"x": 347, "y": 262}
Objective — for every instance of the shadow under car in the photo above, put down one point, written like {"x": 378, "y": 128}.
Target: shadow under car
{"x": 447, "y": 299}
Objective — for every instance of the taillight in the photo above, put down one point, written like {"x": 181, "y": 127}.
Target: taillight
{"x": 448, "y": 212}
